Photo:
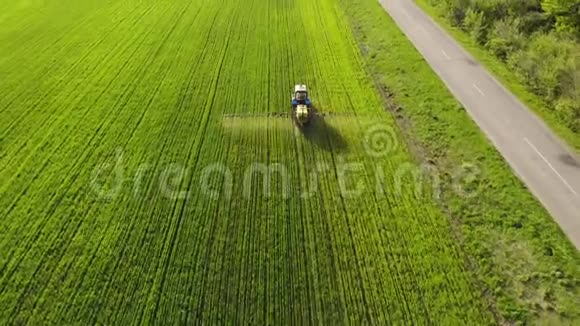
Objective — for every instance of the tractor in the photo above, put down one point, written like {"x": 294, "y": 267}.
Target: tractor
{"x": 301, "y": 106}
{"x": 302, "y": 112}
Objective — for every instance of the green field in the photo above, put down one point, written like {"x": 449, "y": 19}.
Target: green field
{"x": 150, "y": 173}
{"x": 127, "y": 196}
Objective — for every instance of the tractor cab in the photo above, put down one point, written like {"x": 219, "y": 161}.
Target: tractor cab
{"x": 300, "y": 96}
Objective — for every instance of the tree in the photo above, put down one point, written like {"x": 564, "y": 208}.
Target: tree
{"x": 505, "y": 38}
{"x": 566, "y": 13}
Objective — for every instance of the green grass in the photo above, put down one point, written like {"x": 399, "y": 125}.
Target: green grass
{"x": 127, "y": 197}
{"x": 525, "y": 264}
{"x": 503, "y": 74}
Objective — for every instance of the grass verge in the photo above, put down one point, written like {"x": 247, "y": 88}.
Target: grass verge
{"x": 527, "y": 268}
{"x": 502, "y": 73}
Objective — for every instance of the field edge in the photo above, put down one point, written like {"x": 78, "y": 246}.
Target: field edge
{"x": 516, "y": 289}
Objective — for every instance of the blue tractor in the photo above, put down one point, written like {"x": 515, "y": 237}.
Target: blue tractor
{"x": 301, "y": 106}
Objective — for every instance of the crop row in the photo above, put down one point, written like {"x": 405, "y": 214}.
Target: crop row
{"x": 107, "y": 133}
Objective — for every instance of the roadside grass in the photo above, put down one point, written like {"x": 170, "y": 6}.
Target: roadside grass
{"x": 503, "y": 74}
{"x": 527, "y": 267}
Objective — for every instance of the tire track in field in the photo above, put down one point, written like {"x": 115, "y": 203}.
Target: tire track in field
{"x": 287, "y": 69}
{"x": 196, "y": 146}
{"x": 394, "y": 272}
{"x": 231, "y": 213}
{"x": 79, "y": 157}
{"x": 173, "y": 210}
{"x": 170, "y": 126}
{"x": 300, "y": 241}
{"x": 407, "y": 269}
{"x": 201, "y": 57}
{"x": 303, "y": 59}
{"x": 253, "y": 223}
{"x": 154, "y": 94}
{"x": 64, "y": 142}
{"x": 356, "y": 256}
{"x": 29, "y": 37}
{"x": 352, "y": 106}
{"x": 58, "y": 84}
{"x": 345, "y": 212}
{"x": 232, "y": 222}
{"x": 95, "y": 135}
{"x": 336, "y": 229}
{"x": 248, "y": 297}
{"x": 64, "y": 80}
{"x": 62, "y": 117}
{"x": 217, "y": 211}
{"x": 47, "y": 70}
{"x": 65, "y": 227}
{"x": 307, "y": 227}
{"x": 96, "y": 100}
{"x": 330, "y": 248}
{"x": 290, "y": 276}
{"x": 175, "y": 117}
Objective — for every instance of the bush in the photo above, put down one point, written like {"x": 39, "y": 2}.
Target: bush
{"x": 566, "y": 14}
{"x": 547, "y": 66}
{"x": 568, "y": 111}
{"x": 505, "y": 38}
{"x": 492, "y": 9}
{"x": 538, "y": 39}
{"x": 536, "y": 22}
{"x": 456, "y": 10}
{"x": 475, "y": 24}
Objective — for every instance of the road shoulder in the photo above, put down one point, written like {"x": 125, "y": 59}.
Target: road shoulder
{"x": 511, "y": 243}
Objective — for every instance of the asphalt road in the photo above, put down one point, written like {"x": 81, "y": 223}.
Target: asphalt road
{"x": 548, "y": 167}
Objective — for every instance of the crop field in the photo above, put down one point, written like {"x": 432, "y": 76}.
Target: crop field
{"x": 150, "y": 173}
